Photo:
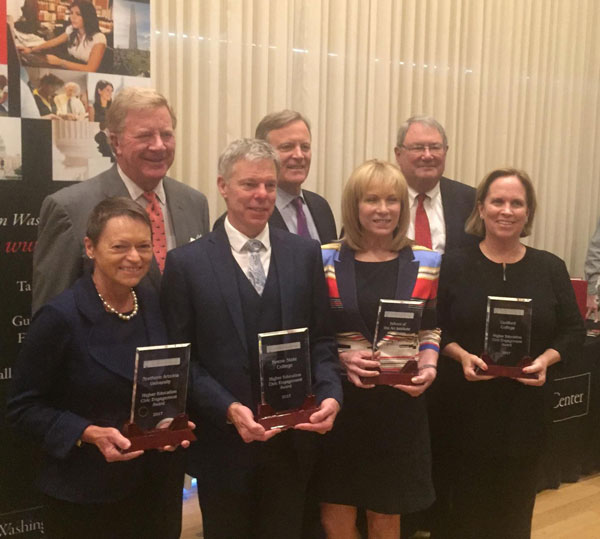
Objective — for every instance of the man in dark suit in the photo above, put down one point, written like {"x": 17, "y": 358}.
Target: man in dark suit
{"x": 297, "y": 210}
{"x": 444, "y": 206}
{"x": 218, "y": 292}
{"x": 141, "y": 125}
{"x": 421, "y": 154}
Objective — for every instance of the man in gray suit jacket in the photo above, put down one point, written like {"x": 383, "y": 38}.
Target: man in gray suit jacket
{"x": 289, "y": 133}
{"x": 141, "y": 125}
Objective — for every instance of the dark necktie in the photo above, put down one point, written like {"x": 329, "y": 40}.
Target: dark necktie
{"x": 159, "y": 237}
{"x": 302, "y": 226}
{"x": 422, "y": 230}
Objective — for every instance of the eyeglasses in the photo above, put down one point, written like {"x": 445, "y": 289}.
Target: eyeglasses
{"x": 419, "y": 149}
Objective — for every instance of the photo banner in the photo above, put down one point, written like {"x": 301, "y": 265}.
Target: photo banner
{"x": 54, "y": 94}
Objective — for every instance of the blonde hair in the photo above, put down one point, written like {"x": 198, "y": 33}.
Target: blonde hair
{"x": 383, "y": 174}
{"x": 475, "y": 225}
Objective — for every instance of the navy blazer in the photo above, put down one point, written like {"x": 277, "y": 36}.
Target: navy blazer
{"x": 319, "y": 209}
{"x": 70, "y": 374}
{"x": 202, "y": 305}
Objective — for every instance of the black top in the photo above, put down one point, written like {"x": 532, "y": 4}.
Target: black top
{"x": 374, "y": 281}
{"x": 503, "y": 416}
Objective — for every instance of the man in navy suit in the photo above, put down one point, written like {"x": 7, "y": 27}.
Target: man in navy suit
{"x": 421, "y": 150}
{"x": 297, "y": 210}
{"x": 218, "y": 293}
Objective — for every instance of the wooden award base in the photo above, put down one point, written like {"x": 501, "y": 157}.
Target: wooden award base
{"x": 270, "y": 419}
{"x": 506, "y": 371}
{"x": 392, "y": 377}
{"x": 174, "y": 434}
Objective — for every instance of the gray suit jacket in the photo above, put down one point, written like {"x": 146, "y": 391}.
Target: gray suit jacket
{"x": 59, "y": 257}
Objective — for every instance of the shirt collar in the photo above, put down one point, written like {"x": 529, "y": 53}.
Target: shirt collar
{"x": 432, "y": 193}
{"x": 285, "y": 199}
{"x": 237, "y": 239}
{"x": 135, "y": 191}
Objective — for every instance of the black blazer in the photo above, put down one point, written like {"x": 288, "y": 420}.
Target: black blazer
{"x": 72, "y": 373}
{"x": 202, "y": 305}
{"x": 319, "y": 209}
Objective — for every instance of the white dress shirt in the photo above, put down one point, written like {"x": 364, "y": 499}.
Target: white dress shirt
{"x": 284, "y": 203}
{"x": 137, "y": 193}
{"x": 237, "y": 240}
{"x": 435, "y": 215}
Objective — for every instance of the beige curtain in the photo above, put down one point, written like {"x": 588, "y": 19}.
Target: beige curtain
{"x": 515, "y": 82}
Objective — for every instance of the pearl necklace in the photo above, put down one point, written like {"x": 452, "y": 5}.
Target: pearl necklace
{"x": 122, "y": 316}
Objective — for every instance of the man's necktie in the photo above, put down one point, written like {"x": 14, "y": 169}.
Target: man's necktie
{"x": 256, "y": 272}
{"x": 69, "y": 106}
{"x": 302, "y": 226}
{"x": 159, "y": 238}
{"x": 422, "y": 230}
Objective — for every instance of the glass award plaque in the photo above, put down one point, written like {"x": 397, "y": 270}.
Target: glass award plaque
{"x": 159, "y": 396}
{"x": 286, "y": 396}
{"x": 397, "y": 339}
{"x": 507, "y": 337}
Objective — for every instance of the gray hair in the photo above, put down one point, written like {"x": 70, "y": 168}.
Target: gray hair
{"x": 425, "y": 120}
{"x": 248, "y": 149}
{"x": 277, "y": 120}
{"x": 73, "y": 85}
{"x": 134, "y": 98}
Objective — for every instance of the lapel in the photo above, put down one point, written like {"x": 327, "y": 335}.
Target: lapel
{"x": 408, "y": 269}
{"x": 176, "y": 213}
{"x": 310, "y": 202}
{"x": 448, "y": 205}
{"x": 346, "y": 281}
{"x": 223, "y": 265}
{"x": 112, "y": 184}
{"x": 276, "y": 220}
{"x": 100, "y": 339}
{"x": 283, "y": 256}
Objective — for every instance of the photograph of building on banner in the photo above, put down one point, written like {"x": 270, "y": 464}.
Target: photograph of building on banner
{"x": 10, "y": 149}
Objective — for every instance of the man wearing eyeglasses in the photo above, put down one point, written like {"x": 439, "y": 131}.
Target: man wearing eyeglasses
{"x": 439, "y": 206}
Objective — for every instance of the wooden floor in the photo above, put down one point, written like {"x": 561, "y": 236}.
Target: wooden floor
{"x": 571, "y": 512}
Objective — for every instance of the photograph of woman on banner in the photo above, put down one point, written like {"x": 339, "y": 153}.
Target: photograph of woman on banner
{"x": 3, "y": 94}
{"x": 85, "y": 43}
{"x": 72, "y": 388}
{"x": 102, "y": 100}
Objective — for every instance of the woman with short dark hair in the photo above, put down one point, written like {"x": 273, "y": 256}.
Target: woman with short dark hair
{"x": 72, "y": 390}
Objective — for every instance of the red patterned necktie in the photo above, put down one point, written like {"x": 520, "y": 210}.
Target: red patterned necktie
{"x": 159, "y": 238}
{"x": 422, "y": 231}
